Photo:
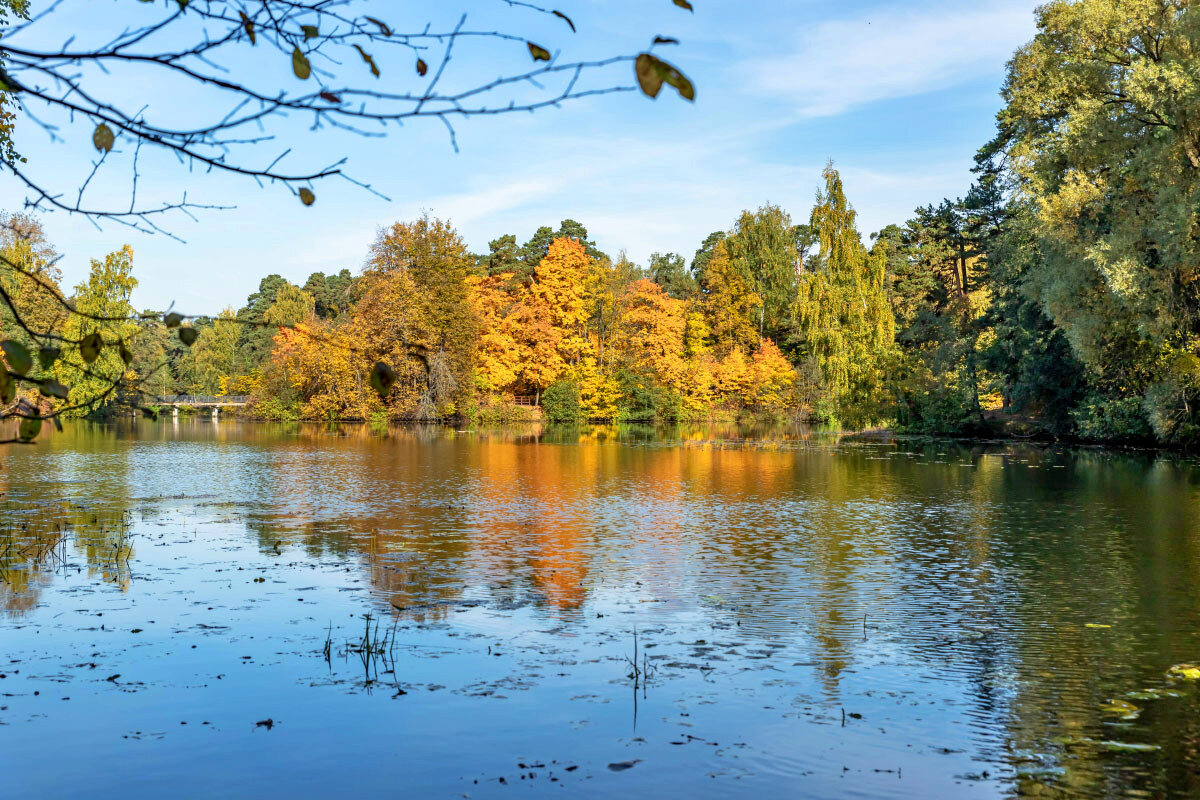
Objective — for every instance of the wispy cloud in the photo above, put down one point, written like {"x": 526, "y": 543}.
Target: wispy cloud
{"x": 839, "y": 64}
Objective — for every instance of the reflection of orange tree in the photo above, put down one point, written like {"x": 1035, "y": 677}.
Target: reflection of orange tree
{"x": 534, "y": 502}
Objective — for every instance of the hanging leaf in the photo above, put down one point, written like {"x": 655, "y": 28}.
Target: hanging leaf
{"x": 422, "y": 67}
{"x": 310, "y": 32}
{"x": 173, "y": 320}
{"x": 47, "y": 356}
{"x": 29, "y": 429}
{"x": 684, "y": 4}
{"x": 17, "y": 356}
{"x": 300, "y": 64}
{"x": 665, "y": 40}
{"x": 248, "y": 26}
{"x": 8, "y": 387}
{"x": 382, "y": 379}
{"x": 564, "y": 18}
{"x": 331, "y": 97}
{"x": 183, "y": 4}
{"x": 51, "y": 388}
{"x": 57, "y": 423}
{"x": 383, "y": 28}
{"x": 367, "y": 58}
{"x": 103, "y": 138}
{"x": 306, "y": 196}
{"x": 538, "y": 52}
{"x": 648, "y": 76}
{"x": 124, "y": 353}
{"x": 90, "y": 347}
{"x": 652, "y": 72}
{"x": 188, "y": 336}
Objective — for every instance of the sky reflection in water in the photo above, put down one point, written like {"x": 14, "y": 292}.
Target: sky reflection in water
{"x": 178, "y": 583}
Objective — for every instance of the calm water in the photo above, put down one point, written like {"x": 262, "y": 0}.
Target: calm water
{"x": 182, "y": 614}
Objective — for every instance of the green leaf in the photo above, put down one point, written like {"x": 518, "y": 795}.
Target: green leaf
{"x": 367, "y": 58}
{"x": 422, "y": 67}
{"x": 382, "y": 379}
{"x": 248, "y": 26}
{"x": 564, "y": 18}
{"x": 17, "y": 356}
{"x": 684, "y": 4}
{"x": 29, "y": 429}
{"x": 103, "y": 138}
{"x": 188, "y": 336}
{"x": 8, "y": 387}
{"x": 53, "y": 389}
{"x": 183, "y": 4}
{"x": 665, "y": 40}
{"x": 538, "y": 52}
{"x": 383, "y": 28}
{"x": 300, "y": 64}
{"x": 306, "y": 196}
{"x": 173, "y": 320}
{"x": 90, "y": 347}
{"x": 310, "y": 32}
{"x": 123, "y": 351}
{"x": 47, "y": 356}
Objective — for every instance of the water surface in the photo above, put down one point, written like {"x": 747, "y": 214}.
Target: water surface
{"x": 814, "y": 617}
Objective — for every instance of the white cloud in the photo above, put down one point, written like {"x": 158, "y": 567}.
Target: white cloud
{"x": 843, "y": 63}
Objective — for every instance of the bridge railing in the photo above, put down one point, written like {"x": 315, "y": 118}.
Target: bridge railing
{"x": 203, "y": 399}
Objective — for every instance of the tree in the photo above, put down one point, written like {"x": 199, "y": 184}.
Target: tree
{"x": 729, "y": 301}
{"x": 669, "y": 271}
{"x": 214, "y": 354}
{"x": 292, "y": 304}
{"x": 330, "y": 293}
{"x": 432, "y": 253}
{"x": 1099, "y": 127}
{"x": 845, "y": 322}
{"x": 762, "y": 249}
{"x": 651, "y": 335}
{"x": 560, "y": 287}
{"x": 94, "y": 372}
{"x": 704, "y": 255}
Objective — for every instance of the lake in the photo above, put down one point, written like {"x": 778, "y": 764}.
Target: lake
{"x": 239, "y": 610}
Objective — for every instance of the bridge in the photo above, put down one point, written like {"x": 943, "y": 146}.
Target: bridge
{"x": 215, "y": 402}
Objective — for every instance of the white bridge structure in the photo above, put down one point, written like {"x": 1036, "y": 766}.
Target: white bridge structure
{"x": 215, "y": 402}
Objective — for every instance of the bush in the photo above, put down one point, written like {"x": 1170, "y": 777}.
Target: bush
{"x": 560, "y": 403}
{"x": 1105, "y": 419}
{"x": 272, "y": 408}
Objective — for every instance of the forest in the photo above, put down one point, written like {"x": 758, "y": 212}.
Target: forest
{"x": 1058, "y": 297}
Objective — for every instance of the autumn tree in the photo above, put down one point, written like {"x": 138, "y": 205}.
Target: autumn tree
{"x": 729, "y": 302}
{"x": 432, "y": 254}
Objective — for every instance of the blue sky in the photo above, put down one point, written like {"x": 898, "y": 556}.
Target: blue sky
{"x": 899, "y": 94}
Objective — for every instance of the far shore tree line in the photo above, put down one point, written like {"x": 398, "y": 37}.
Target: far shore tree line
{"x": 1059, "y": 296}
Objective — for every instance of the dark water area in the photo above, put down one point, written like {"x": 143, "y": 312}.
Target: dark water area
{"x": 184, "y": 612}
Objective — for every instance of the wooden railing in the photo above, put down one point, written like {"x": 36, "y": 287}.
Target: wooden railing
{"x": 525, "y": 400}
